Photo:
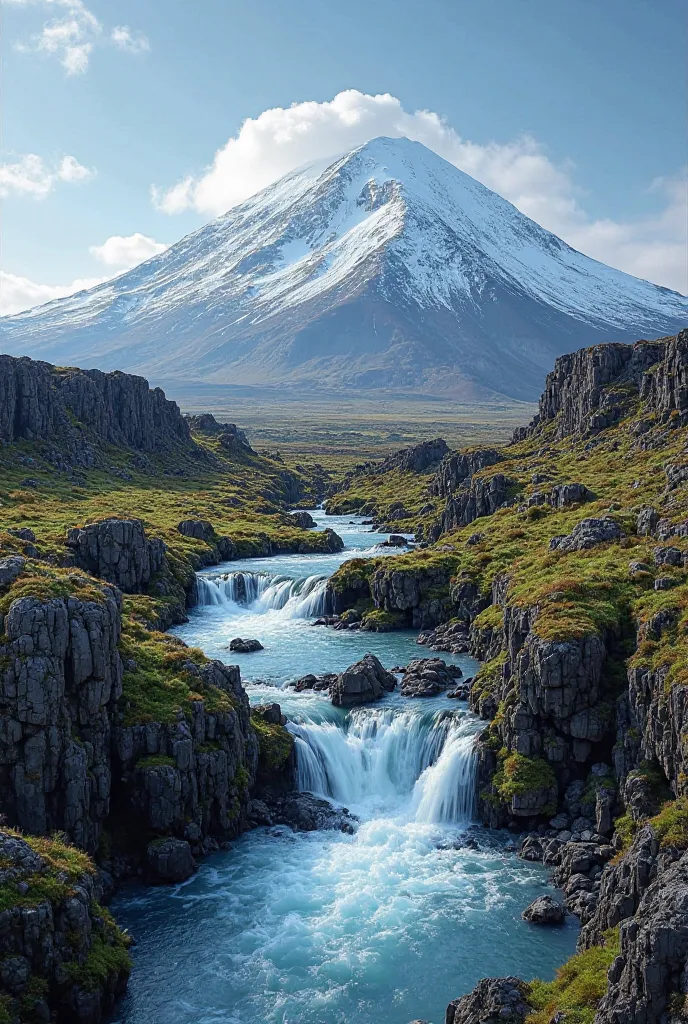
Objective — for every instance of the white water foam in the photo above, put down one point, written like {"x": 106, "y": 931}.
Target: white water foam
{"x": 259, "y": 593}
{"x": 419, "y": 765}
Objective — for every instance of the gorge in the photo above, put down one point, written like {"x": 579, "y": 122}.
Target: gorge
{"x": 551, "y": 571}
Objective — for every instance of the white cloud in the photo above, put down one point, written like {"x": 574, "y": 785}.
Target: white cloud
{"x": 126, "y": 251}
{"x": 276, "y": 141}
{"x": 18, "y": 293}
{"x": 71, "y": 170}
{"x": 118, "y": 253}
{"x": 133, "y": 42}
{"x": 73, "y": 34}
{"x": 30, "y": 175}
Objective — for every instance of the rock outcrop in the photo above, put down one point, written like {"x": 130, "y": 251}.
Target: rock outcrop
{"x": 362, "y": 683}
{"x": 544, "y": 910}
{"x": 417, "y": 459}
{"x": 118, "y": 551}
{"x": 455, "y": 470}
{"x": 60, "y": 680}
{"x": 492, "y": 1001}
{"x": 578, "y": 392}
{"x": 62, "y": 957}
{"x": 70, "y": 763}
{"x": 426, "y": 677}
{"x": 40, "y": 402}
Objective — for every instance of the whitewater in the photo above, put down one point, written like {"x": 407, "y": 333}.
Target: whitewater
{"x": 325, "y": 927}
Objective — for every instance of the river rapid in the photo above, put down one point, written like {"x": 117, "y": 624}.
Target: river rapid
{"x": 326, "y": 928}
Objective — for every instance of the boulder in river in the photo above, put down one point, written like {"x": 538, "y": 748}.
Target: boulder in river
{"x": 245, "y": 646}
{"x": 492, "y": 1000}
{"x": 544, "y": 910}
{"x": 395, "y": 540}
{"x": 303, "y": 519}
{"x": 170, "y": 860}
{"x": 365, "y": 681}
{"x": 426, "y": 677}
{"x": 305, "y": 812}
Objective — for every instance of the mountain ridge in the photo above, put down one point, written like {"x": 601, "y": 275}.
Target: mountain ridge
{"x": 386, "y": 267}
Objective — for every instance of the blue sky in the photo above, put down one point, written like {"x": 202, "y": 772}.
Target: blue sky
{"x": 574, "y": 110}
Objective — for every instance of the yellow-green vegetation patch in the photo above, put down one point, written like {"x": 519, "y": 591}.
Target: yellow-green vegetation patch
{"x": 379, "y": 621}
{"x": 671, "y": 824}
{"x": 65, "y": 865}
{"x": 488, "y": 677}
{"x": 45, "y": 583}
{"x": 667, "y": 653}
{"x": 158, "y": 681}
{"x": 353, "y": 573}
{"x": 579, "y": 985}
{"x": 275, "y": 744}
{"x": 518, "y": 775}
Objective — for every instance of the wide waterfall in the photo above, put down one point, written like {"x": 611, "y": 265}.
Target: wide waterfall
{"x": 301, "y": 598}
{"x": 419, "y": 764}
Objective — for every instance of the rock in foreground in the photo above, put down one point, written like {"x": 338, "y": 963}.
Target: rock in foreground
{"x": 240, "y": 646}
{"x": 492, "y": 1001}
{"x": 544, "y": 910}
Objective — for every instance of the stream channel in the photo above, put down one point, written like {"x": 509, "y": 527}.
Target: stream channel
{"x": 388, "y": 924}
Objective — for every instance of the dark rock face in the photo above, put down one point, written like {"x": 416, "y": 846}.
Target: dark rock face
{"x": 569, "y": 494}
{"x": 577, "y": 391}
{"x": 456, "y": 470}
{"x": 481, "y": 498}
{"x": 199, "y": 529}
{"x": 334, "y": 542}
{"x": 426, "y": 677}
{"x": 169, "y": 860}
{"x": 492, "y": 1001}
{"x": 205, "y": 423}
{"x": 303, "y": 519}
{"x": 39, "y": 402}
{"x": 654, "y": 946}
{"x": 118, "y": 551}
{"x": 667, "y": 389}
{"x": 60, "y": 681}
{"x": 245, "y": 646}
{"x": 67, "y": 762}
{"x": 361, "y": 683}
{"x": 588, "y": 533}
{"x": 544, "y": 910}
{"x": 414, "y": 593}
{"x": 307, "y": 813}
{"x": 416, "y": 459}
{"x": 39, "y": 941}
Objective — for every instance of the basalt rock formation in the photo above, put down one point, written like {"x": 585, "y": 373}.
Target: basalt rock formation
{"x": 75, "y": 409}
{"x": 62, "y": 957}
{"x": 71, "y": 760}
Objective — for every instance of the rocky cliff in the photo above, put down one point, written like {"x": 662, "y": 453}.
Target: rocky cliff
{"x": 575, "y": 597}
{"x": 131, "y": 733}
{"x": 40, "y": 402}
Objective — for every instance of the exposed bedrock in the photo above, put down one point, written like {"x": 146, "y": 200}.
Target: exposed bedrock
{"x": 69, "y": 764}
{"x": 39, "y": 402}
{"x": 492, "y": 1001}
{"x": 62, "y": 958}
{"x": 456, "y": 469}
{"x": 118, "y": 551}
{"x": 578, "y": 391}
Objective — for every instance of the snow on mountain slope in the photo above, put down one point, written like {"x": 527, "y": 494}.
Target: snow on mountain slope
{"x": 386, "y": 267}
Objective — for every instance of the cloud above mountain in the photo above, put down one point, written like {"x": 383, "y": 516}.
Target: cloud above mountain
{"x": 282, "y": 138}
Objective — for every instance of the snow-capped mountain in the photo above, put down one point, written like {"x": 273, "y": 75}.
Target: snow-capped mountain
{"x": 385, "y": 268}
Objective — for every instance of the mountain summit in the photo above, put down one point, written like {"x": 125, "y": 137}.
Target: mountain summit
{"x": 384, "y": 268}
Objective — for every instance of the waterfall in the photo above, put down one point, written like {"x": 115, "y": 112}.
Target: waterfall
{"x": 261, "y": 592}
{"x": 423, "y": 761}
